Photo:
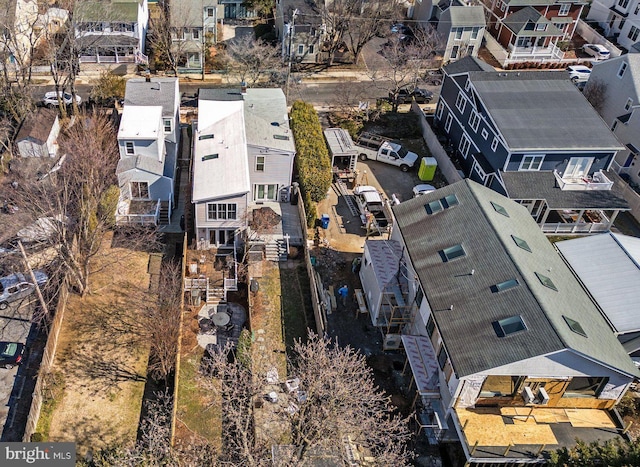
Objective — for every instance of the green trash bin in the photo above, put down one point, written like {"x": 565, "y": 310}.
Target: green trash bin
{"x": 427, "y": 170}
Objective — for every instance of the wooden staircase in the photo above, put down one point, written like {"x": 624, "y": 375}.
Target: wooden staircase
{"x": 163, "y": 215}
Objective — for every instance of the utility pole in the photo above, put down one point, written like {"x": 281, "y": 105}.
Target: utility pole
{"x": 291, "y": 32}
{"x": 203, "y": 13}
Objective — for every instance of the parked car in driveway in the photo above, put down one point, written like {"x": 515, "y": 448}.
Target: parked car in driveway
{"x": 579, "y": 73}
{"x": 405, "y": 96}
{"x": 17, "y": 286}
{"x": 11, "y": 354}
{"x": 600, "y": 52}
{"x": 50, "y": 98}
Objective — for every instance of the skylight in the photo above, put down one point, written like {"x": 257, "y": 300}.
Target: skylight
{"x": 521, "y": 243}
{"x": 282, "y": 137}
{"x": 506, "y": 285}
{"x": 440, "y": 204}
{"x": 511, "y": 325}
{"x": 201, "y": 137}
{"x": 499, "y": 209}
{"x": 575, "y": 326}
{"x": 209, "y": 157}
{"x": 547, "y": 282}
{"x": 452, "y": 252}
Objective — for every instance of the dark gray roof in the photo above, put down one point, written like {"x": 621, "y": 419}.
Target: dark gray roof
{"x": 220, "y": 94}
{"x": 460, "y": 291}
{"x": 543, "y": 185}
{"x": 542, "y": 110}
{"x": 37, "y": 125}
{"x": 144, "y": 163}
{"x": 467, "y": 64}
{"x": 518, "y": 21}
{"x": 159, "y": 91}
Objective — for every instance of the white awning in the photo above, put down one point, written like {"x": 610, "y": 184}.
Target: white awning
{"x": 424, "y": 364}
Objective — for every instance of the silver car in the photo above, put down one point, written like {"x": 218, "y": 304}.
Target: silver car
{"x": 17, "y": 286}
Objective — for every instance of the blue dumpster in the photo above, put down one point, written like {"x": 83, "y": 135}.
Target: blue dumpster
{"x": 324, "y": 221}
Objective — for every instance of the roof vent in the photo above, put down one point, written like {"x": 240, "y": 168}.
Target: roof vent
{"x": 275, "y": 124}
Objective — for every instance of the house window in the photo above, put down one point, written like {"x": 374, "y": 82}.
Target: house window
{"x": 139, "y": 190}
{"x": 521, "y": 243}
{"x": 467, "y": 84}
{"x": 503, "y": 6}
{"x": 623, "y": 3}
{"x": 447, "y": 123}
{"x": 485, "y": 134}
{"x": 464, "y": 146}
{"x": 578, "y": 167}
{"x": 180, "y": 34}
{"x": 511, "y": 325}
{"x": 419, "y": 296}
{"x": 442, "y": 357}
{"x": 637, "y": 9}
{"x": 622, "y": 21}
{"x": 431, "y": 326}
{"x": 300, "y": 49}
{"x": 440, "y": 110}
{"x": 474, "y": 120}
{"x": 564, "y": 9}
{"x": 195, "y": 33}
{"x": 129, "y": 148}
{"x": 633, "y": 32}
{"x": 210, "y": 12}
{"x": 461, "y": 102}
{"x": 474, "y": 33}
{"x": 266, "y": 192}
{"x": 481, "y": 173}
{"x": 167, "y": 125}
{"x": 494, "y": 144}
{"x": 451, "y": 253}
{"x": 310, "y": 51}
{"x": 622, "y": 69}
{"x": 454, "y": 51}
{"x": 260, "y": 164}
{"x": 541, "y": 27}
{"x": 584, "y": 386}
{"x": 628, "y": 105}
{"x": 546, "y": 281}
{"x": 220, "y": 211}
{"x": 458, "y": 34}
{"x": 531, "y": 163}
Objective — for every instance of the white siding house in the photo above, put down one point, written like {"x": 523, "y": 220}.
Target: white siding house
{"x": 461, "y": 29}
{"x": 38, "y": 135}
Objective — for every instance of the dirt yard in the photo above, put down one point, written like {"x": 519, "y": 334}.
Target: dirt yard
{"x": 101, "y": 360}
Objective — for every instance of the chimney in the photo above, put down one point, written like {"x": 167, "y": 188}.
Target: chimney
{"x": 243, "y": 88}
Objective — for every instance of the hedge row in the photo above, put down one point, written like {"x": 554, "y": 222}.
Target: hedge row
{"x": 312, "y": 160}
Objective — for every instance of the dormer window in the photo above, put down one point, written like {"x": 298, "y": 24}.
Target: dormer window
{"x": 166, "y": 123}
{"x": 129, "y": 148}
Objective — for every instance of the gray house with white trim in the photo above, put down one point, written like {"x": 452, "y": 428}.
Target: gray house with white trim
{"x": 461, "y": 29}
{"x": 497, "y": 330}
{"x": 621, "y": 107}
{"x": 533, "y": 137}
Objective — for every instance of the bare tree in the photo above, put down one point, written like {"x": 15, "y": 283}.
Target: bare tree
{"x": 372, "y": 21}
{"x": 78, "y": 198}
{"x": 254, "y": 60}
{"x": 406, "y": 61}
{"x": 337, "y": 401}
{"x": 7, "y": 130}
{"x": 596, "y": 93}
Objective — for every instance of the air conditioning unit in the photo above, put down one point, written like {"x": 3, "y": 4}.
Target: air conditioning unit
{"x": 528, "y": 396}
{"x": 392, "y": 342}
{"x": 543, "y": 397}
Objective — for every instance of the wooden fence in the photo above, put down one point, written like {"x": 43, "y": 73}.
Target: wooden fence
{"x": 316, "y": 287}
{"x": 48, "y": 356}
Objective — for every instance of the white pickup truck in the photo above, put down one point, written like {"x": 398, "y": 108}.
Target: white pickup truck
{"x": 371, "y": 206}
{"x": 379, "y": 148}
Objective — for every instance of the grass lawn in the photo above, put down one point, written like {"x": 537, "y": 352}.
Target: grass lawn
{"x": 296, "y": 303}
{"x": 100, "y": 363}
{"x": 197, "y": 412}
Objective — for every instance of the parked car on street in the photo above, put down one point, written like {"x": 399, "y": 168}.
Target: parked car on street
{"x": 50, "y": 98}
{"x": 11, "y": 354}
{"x": 600, "y": 52}
{"x": 405, "y": 96}
{"x": 17, "y": 286}
{"x": 579, "y": 73}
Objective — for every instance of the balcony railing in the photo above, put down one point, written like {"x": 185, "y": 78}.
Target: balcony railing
{"x": 536, "y": 52}
{"x": 598, "y": 181}
{"x": 579, "y": 228}
{"x": 124, "y": 216}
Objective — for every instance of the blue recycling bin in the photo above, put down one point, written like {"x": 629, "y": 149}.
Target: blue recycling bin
{"x": 324, "y": 221}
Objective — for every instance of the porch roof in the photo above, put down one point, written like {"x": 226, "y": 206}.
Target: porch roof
{"x": 106, "y": 40}
{"x": 144, "y": 163}
{"x": 385, "y": 259}
{"x": 423, "y": 362}
{"x": 542, "y": 185}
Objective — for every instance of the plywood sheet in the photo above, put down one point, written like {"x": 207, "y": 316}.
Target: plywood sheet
{"x": 531, "y": 434}
{"x": 589, "y": 418}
